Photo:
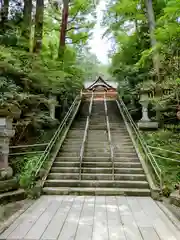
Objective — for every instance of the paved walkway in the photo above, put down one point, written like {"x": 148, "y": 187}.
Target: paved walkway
{"x": 96, "y": 218}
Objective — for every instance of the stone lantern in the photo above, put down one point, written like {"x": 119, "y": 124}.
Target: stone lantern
{"x": 52, "y": 105}
{"x": 145, "y": 122}
{"x": 6, "y": 132}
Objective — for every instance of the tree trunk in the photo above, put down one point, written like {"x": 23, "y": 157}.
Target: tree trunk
{"x": 4, "y": 15}
{"x": 62, "y": 43}
{"x": 152, "y": 25}
{"x": 38, "y": 33}
{"x": 27, "y": 19}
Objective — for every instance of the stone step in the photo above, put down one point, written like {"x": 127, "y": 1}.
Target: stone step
{"x": 118, "y": 129}
{"x": 89, "y": 149}
{"x": 97, "y": 170}
{"x": 104, "y": 137}
{"x": 101, "y": 176}
{"x": 97, "y": 154}
{"x": 84, "y": 164}
{"x": 12, "y": 196}
{"x": 85, "y": 159}
{"x": 126, "y": 159}
{"x": 125, "y": 154}
{"x": 109, "y": 164}
{"x": 97, "y": 164}
{"x": 86, "y": 154}
{"x": 71, "y": 149}
{"x": 69, "y": 141}
{"x": 68, "y": 170}
{"x": 74, "y": 154}
{"x": 127, "y": 165}
{"x": 8, "y": 185}
{"x": 63, "y": 176}
{"x": 120, "y": 143}
{"x": 97, "y": 159}
{"x": 120, "y": 137}
{"x": 128, "y": 170}
{"x": 91, "y": 183}
{"x": 94, "y": 143}
{"x": 68, "y": 154}
{"x": 78, "y": 126}
{"x": 118, "y": 146}
{"x": 97, "y": 127}
{"x": 124, "y": 151}
{"x": 117, "y": 126}
{"x": 107, "y": 159}
{"x": 66, "y": 164}
{"x": 96, "y": 191}
{"x": 75, "y": 137}
{"x": 99, "y": 137}
{"x": 75, "y": 131}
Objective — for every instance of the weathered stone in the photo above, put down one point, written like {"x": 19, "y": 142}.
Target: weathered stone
{"x": 147, "y": 125}
{"x": 6, "y": 173}
{"x": 52, "y": 105}
{"x": 145, "y": 122}
{"x": 8, "y": 185}
{"x": 6, "y": 132}
{"x": 96, "y": 168}
{"x": 12, "y": 196}
{"x": 175, "y": 198}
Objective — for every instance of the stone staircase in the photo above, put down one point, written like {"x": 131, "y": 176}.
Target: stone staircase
{"x": 96, "y": 170}
{"x": 66, "y": 165}
{"x": 127, "y": 167}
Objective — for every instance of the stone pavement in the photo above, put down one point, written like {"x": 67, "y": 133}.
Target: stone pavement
{"x": 93, "y": 217}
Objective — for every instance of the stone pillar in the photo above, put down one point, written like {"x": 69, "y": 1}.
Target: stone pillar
{"x": 6, "y": 132}
{"x": 144, "y": 105}
{"x": 145, "y": 122}
{"x": 52, "y": 105}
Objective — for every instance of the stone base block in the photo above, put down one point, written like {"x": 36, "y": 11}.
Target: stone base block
{"x": 175, "y": 198}
{"x": 6, "y": 173}
{"x": 8, "y": 185}
{"x": 147, "y": 125}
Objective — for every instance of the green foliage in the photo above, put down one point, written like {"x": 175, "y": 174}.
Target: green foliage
{"x": 132, "y": 62}
{"x": 27, "y": 79}
{"x": 26, "y": 178}
{"x": 167, "y": 140}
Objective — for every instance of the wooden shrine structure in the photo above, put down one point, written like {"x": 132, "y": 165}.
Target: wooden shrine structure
{"x": 100, "y": 87}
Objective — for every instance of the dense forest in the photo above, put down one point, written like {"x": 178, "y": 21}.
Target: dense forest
{"x": 43, "y": 51}
{"x": 146, "y": 50}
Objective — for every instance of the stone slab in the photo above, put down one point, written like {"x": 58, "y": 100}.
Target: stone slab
{"x": 147, "y": 125}
{"x": 175, "y": 198}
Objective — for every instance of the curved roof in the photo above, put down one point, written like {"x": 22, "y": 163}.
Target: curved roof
{"x": 100, "y": 82}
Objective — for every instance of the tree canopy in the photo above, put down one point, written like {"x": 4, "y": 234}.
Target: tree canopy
{"x": 146, "y": 54}
{"x": 31, "y": 67}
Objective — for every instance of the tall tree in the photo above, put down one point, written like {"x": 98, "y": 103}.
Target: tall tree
{"x": 27, "y": 18}
{"x": 63, "y": 28}
{"x": 152, "y": 25}
{"x": 38, "y": 33}
{"x": 4, "y": 15}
